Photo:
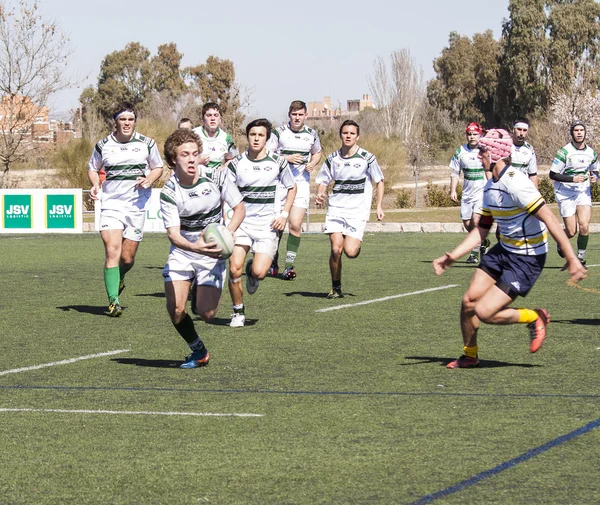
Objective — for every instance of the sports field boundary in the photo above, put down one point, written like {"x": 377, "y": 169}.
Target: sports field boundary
{"x": 386, "y": 298}
{"x": 128, "y": 412}
{"x": 64, "y": 361}
{"x": 508, "y": 464}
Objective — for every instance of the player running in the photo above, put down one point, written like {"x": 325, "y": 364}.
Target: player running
{"x": 132, "y": 163}
{"x": 353, "y": 171}
{"x": 512, "y": 266}
{"x": 218, "y": 147}
{"x": 188, "y": 203}
{"x": 257, "y": 172}
{"x": 466, "y": 160}
{"x": 301, "y": 147}
{"x": 573, "y": 169}
{"x": 523, "y": 155}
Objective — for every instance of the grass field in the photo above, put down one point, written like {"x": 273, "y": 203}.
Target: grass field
{"x": 349, "y": 406}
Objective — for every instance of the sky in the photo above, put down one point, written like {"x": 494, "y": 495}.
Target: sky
{"x": 282, "y": 51}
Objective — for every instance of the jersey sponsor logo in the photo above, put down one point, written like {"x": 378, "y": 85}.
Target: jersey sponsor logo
{"x": 136, "y": 149}
{"x": 206, "y": 192}
{"x": 124, "y": 149}
{"x": 193, "y": 194}
{"x": 357, "y": 165}
{"x": 256, "y": 168}
{"x": 346, "y": 164}
{"x": 511, "y": 174}
{"x": 555, "y": 162}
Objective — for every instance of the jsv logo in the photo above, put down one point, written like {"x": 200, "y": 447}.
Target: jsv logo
{"x": 18, "y": 210}
{"x": 61, "y": 210}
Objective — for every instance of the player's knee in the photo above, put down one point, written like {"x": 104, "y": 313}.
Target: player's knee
{"x": 571, "y": 231}
{"x": 468, "y": 304}
{"x": 352, "y": 253}
{"x": 207, "y": 314}
{"x": 484, "y": 314}
{"x": 177, "y": 313}
{"x": 584, "y": 229}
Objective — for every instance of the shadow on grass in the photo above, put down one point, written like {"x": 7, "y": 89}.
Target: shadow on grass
{"x": 86, "y": 309}
{"x": 308, "y": 294}
{"x": 584, "y": 322}
{"x": 482, "y": 363}
{"x": 160, "y": 294}
{"x": 155, "y": 268}
{"x": 222, "y": 321}
{"x": 152, "y": 363}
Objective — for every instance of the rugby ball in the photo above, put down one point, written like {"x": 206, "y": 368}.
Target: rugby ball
{"x": 220, "y": 234}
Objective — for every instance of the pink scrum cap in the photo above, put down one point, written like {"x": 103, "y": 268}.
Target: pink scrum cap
{"x": 498, "y": 142}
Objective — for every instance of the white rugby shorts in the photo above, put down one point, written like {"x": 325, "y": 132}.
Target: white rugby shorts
{"x": 568, "y": 201}
{"x": 348, "y": 227}
{"x": 131, "y": 222}
{"x": 183, "y": 266}
{"x": 264, "y": 241}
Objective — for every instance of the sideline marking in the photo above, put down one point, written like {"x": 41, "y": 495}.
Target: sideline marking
{"x": 508, "y": 464}
{"x": 133, "y": 413}
{"x": 304, "y": 393}
{"x": 64, "y": 361}
{"x": 367, "y": 302}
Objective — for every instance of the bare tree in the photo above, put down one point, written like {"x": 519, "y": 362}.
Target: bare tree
{"x": 33, "y": 58}
{"x": 399, "y": 91}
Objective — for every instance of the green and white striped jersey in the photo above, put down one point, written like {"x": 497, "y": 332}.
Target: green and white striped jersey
{"x": 193, "y": 207}
{"x": 466, "y": 160}
{"x": 216, "y": 147}
{"x": 305, "y": 142}
{"x": 524, "y": 159}
{"x": 123, "y": 164}
{"x": 257, "y": 181}
{"x": 572, "y": 161}
{"x": 353, "y": 183}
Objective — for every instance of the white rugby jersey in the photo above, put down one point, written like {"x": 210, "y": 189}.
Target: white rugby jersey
{"x": 353, "y": 183}
{"x": 305, "y": 142}
{"x": 193, "y": 207}
{"x": 466, "y": 160}
{"x": 512, "y": 201}
{"x": 524, "y": 159}
{"x": 123, "y": 164}
{"x": 257, "y": 181}
{"x": 572, "y": 161}
{"x": 216, "y": 147}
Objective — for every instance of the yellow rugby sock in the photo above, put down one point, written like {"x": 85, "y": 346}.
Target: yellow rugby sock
{"x": 471, "y": 351}
{"x": 527, "y": 315}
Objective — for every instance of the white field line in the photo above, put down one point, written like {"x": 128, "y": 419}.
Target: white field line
{"x": 385, "y": 299}
{"x": 134, "y": 413}
{"x": 64, "y": 361}
{"x": 592, "y": 266}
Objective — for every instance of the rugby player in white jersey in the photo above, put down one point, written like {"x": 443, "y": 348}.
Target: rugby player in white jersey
{"x": 218, "y": 147}
{"x": 512, "y": 266}
{"x": 465, "y": 160}
{"x": 353, "y": 171}
{"x": 523, "y": 155}
{"x": 574, "y": 168}
{"x": 257, "y": 172}
{"x": 301, "y": 147}
{"x": 132, "y": 163}
{"x": 188, "y": 203}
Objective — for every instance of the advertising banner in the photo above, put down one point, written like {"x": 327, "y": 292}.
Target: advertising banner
{"x": 41, "y": 211}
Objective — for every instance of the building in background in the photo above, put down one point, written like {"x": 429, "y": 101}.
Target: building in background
{"x": 21, "y": 116}
{"x": 324, "y": 110}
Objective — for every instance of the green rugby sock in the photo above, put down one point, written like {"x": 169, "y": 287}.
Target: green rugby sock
{"x": 111, "y": 281}
{"x": 293, "y": 244}
{"x": 582, "y": 243}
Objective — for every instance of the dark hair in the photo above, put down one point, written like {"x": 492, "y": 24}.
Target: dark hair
{"x": 124, "y": 107}
{"x": 210, "y": 105}
{"x": 186, "y": 120}
{"x": 577, "y": 122}
{"x": 349, "y": 122}
{"x": 176, "y": 139}
{"x": 297, "y": 105}
{"x": 260, "y": 122}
